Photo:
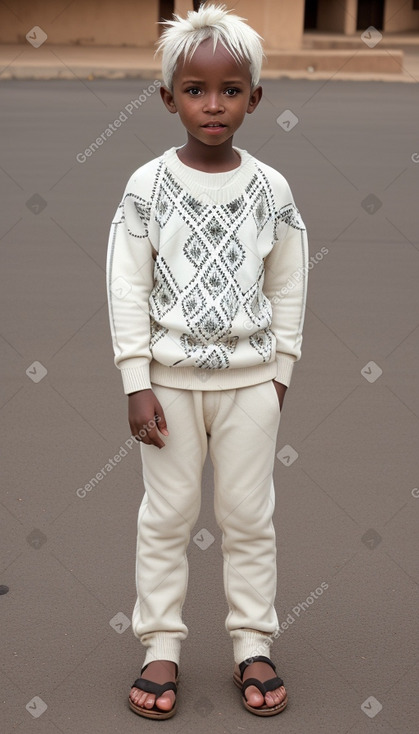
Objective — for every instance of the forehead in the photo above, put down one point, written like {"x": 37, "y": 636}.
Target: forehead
{"x": 210, "y": 65}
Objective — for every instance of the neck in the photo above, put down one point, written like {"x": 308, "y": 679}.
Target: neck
{"x": 209, "y": 158}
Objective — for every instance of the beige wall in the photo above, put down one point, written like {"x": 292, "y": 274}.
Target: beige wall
{"x": 400, "y": 16}
{"x": 134, "y": 22}
{"x": 84, "y": 22}
{"x": 341, "y": 17}
{"x": 182, "y": 6}
{"x": 279, "y": 22}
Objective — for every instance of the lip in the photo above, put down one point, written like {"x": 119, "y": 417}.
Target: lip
{"x": 214, "y": 127}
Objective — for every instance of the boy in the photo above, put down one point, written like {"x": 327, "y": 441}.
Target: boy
{"x": 206, "y": 326}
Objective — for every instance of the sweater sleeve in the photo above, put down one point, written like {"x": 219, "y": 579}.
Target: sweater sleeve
{"x": 129, "y": 277}
{"x": 285, "y": 284}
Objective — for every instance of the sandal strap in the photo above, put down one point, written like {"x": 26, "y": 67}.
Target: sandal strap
{"x": 256, "y": 659}
{"x": 269, "y": 685}
{"x": 150, "y": 687}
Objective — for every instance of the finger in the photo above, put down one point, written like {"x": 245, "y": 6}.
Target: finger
{"x": 161, "y": 419}
{"x": 161, "y": 424}
{"x": 149, "y": 434}
{"x": 154, "y": 438}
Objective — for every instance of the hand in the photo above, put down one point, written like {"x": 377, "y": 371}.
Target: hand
{"x": 146, "y": 418}
{"x": 280, "y": 391}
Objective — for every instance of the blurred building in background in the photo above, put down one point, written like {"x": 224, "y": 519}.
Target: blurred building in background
{"x": 282, "y": 23}
{"x": 116, "y": 38}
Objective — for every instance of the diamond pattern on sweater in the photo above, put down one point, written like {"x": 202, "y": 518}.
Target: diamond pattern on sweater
{"x": 257, "y": 307}
{"x": 290, "y": 215}
{"x": 192, "y": 304}
{"x": 208, "y": 356}
{"x": 211, "y": 325}
{"x": 235, "y": 208}
{"x": 215, "y": 231}
{"x": 233, "y": 255}
{"x": 262, "y": 342}
{"x": 214, "y": 281}
{"x": 166, "y": 199}
{"x": 143, "y": 209}
{"x": 156, "y": 332}
{"x": 212, "y": 297}
{"x": 261, "y": 211}
{"x": 212, "y": 358}
{"x": 196, "y": 250}
{"x": 193, "y": 206}
{"x": 189, "y": 344}
{"x": 165, "y": 292}
{"x": 230, "y": 304}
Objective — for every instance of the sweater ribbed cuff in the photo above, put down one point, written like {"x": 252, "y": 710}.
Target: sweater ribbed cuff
{"x": 285, "y": 366}
{"x": 135, "y": 378}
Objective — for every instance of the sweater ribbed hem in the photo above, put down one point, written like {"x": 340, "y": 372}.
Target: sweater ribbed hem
{"x": 194, "y": 378}
{"x": 162, "y": 646}
{"x": 250, "y": 643}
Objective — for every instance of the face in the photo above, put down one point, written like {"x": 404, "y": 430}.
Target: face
{"x": 211, "y": 93}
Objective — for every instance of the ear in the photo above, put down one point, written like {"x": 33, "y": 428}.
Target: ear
{"x": 168, "y": 99}
{"x": 254, "y": 99}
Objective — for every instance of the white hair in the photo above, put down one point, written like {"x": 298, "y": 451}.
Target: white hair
{"x": 184, "y": 35}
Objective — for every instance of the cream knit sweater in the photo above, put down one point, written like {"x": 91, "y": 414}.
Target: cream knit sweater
{"x": 206, "y": 276}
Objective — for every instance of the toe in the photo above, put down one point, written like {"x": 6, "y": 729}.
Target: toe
{"x": 271, "y": 699}
{"x": 275, "y": 698}
{"x": 141, "y": 698}
{"x": 254, "y": 697}
{"x": 281, "y": 692}
{"x": 134, "y": 695}
{"x": 166, "y": 701}
{"x": 149, "y": 702}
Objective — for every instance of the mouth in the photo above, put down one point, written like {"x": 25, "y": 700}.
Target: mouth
{"x": 214, "y": 128}
{"x": 214, "y": 125}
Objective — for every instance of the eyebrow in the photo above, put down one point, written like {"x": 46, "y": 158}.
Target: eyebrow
{"x": 201, "y": 81}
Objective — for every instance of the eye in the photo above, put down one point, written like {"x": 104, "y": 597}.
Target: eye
{"x": 193, "y": 91}
{"x": 232, "y": 91}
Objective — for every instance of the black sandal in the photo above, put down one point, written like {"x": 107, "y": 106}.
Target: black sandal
{"x": 268, "y": 685}
{"x": 156, "y": 689}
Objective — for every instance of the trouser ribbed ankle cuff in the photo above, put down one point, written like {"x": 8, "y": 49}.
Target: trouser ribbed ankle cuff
{"x": 250, "y": 643}
{"x": 162, "y": 646}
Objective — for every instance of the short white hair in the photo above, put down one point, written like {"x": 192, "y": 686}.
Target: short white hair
{"x": 184, "y": 35}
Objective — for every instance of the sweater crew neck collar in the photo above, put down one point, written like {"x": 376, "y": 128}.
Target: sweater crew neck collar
{"x": 218, "y": 187}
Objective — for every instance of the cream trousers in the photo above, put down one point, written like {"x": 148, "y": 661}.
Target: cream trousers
{"x": 239, "y": 427}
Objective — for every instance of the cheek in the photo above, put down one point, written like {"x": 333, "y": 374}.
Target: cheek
{"x": 189, "y": 110}
{"x": 185, "y": 111}
{"x": 241, "y": 109}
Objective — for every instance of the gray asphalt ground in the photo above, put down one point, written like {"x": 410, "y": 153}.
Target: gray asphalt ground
{"x": 347, "y": 495}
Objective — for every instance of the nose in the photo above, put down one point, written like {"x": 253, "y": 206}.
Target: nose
{"x": 213, "y": 103}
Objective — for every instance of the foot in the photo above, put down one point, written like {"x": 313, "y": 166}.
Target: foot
{"x": 159, "y": 671}
{"x": 262, "y": 672}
